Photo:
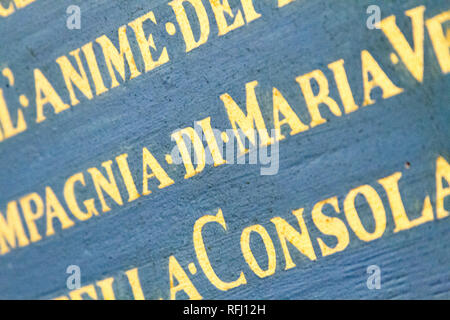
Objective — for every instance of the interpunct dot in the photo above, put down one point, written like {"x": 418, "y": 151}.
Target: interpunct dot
{"x": 224, "y": 137}
{"x": 394, "y": 58}
{"x": 169, "y": 159}
{"x": 23, "y": 100}
{"x": 192, "y": 268}
{"x": 170, "y": 28}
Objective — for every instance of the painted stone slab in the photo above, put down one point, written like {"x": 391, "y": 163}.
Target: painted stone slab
{"x": 206, "y": 149}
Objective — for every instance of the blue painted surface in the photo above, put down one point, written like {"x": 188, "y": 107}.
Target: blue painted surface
{"x": 325, "y": 161}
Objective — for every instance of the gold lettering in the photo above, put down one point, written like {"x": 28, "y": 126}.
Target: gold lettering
{"x": 185, "y": 26}
{"x": 282, "y": 3}
{"x": 8, "y": 127}
{"x": 22, "y": 3}
{"x": 145, "y": 43}
{"x": 313, "y": 101}
{"x": 117, "y": 59}
{"x": 186, "y": 153}
{"x": 11, "y": 229}
{"x": 70, "y": 75}
{"x": 330, "y": 226}
{"x": 378, "y": 212}
{"x": 71, "y": 201}
{"x": 77, "y": 294}
{"x": 402, "y": 222}
{"x": 31, "y": 215}
{"x": 345, "y": 92}
{"x": 249, "y": 10}
{"x": 184, "y": 283}
{"x": 300, "y": 240}
{"x": 440, "y": 41}
{"x": 91, "y": 60}
{"x": 379, "y": 79}
{"x": 442, "y": 172}
{"x": 149, "y": 161}
{"x": 280, "y": 105}
{"x": 45, "y": 93}
{"x": 54, "y": 209}
{"x": 135, "y": 284}
{"x": 124, "y": 169}
{"x": 216, "y": 153}
{"x": 4, "y": 12}
{"x": 250, "y": 258}
{"x": 247, "y": 123}
{"x": 220, "y": 7}
{"x": 109, "y": 185}
{"x": 413, "y": 59}
{"x": 106, "y": 288}
{"x": 202, "y": 256}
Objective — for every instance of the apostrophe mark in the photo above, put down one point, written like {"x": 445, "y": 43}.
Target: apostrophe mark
{"x": 7, "y": 73}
